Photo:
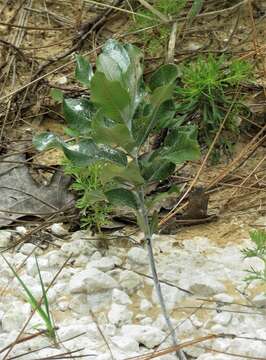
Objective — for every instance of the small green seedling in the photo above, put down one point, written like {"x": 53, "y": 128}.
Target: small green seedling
{"x": 258, "y": 237}
{"x": 87, "y": 179}
{"x": 113, "y": 127}
{"x": 43, "y": 311}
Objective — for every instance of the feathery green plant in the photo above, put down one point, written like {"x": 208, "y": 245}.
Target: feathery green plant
{"x": 87, "y": 179}
{"x": 258, "y": 237}
{"x": 206, "y": 92}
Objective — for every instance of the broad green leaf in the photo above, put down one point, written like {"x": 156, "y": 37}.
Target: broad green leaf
{"x": 163, "y": 76}
{"x": 117, "y": 52}
{"x": 155, "y": 168}
{"x": 109, "y": 67}
{"x": 158, "y": 97}
{"x": 106, "y": 131}
{"x": 172, "y": 193}
{"x": 83, "y": 71}
{"x": 112, "y": 98}
{"x": 130, "y": 173}
{"x": 78, "y": 114}
{"x": 166, "y": 114}
{"x": 185, "y": 148}
{"x": 84, "y": 153}
{"x": 122, "y": 197}
{"x": 123, "y": 63}
{"x": 45, "y": 141}
{"x": 57, "y": 95}
{"x": 95, "y": 196}
{"x": 133, "y": 77}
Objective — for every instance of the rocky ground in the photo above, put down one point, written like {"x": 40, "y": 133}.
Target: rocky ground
{"x": 104, "y": 303}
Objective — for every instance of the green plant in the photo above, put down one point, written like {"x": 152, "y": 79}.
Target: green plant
{"x": 205, "y": 94}
{"x": 155, "y": 38}
{"x": 114, "y": 127}
{"x": 87, "y": 179}
{"x": 258, "y": 237}
{"x": 44, "y": 312}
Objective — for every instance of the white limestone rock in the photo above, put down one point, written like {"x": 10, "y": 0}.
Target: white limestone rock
{"x": 119, "y": 315}
{"x": 120, "y": 297}
{"x": 211, "y": 356}
{"x": 223, "y": 318}
{"x": 259, "y": 300}
{"x": 130, "y": 281}
{"x": 82, "y": 261}
{"x": 149, "y": 336}
{"x": 172, "y": 296}
{"x": 145, "y": 305}
{"x": 27, "y": 248}
{"x": 201, "y": 284}
{"x": 99, "y": 301}
{"x": 249, "y": 348}
{"x": 91, "y": 281}
{"x": 31, "y": 265}
{"x": 47, "y": 277}
{"x": 58, "y": 229}
{"x": 125, "y": 343}
{"x": 146, "y": 321}
{"x": 78, "y": 247}
{"x": 56, "y": 259}
{"x": 104, "y": 264}
{"x": 223, "y": 298}
{"x": 21, "y": 230}
{"x": 5, "y": 238}
{"x": 14, "y": 319}
{"x": 138, "y": 256}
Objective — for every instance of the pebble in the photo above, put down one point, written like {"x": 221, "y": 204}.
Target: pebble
{"x": 130, "y": 281}
{"x": 5, "y": 238}
{"x": 91, "y": 281}
{"x": 119, "y": 315}
{"x": 138, "y": 256}
{"x": 120, "y": 297}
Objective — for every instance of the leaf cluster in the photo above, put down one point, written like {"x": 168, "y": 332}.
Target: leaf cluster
{"x": 114, "y": 125}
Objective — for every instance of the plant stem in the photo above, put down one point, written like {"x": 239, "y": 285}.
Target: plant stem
{"x": 148, "y": 240}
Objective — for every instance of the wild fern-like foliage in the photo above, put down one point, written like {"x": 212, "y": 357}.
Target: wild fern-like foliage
{"x": 205, "y": 94}
{"x": 258, "y": 251}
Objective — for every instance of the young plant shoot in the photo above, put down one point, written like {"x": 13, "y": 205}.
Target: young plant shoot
{"x": 113, "y": 127}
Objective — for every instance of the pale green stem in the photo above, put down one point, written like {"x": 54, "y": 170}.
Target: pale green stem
{"x": 148, "y": 240}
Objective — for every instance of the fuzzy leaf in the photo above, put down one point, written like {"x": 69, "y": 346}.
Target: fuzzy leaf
{"x": 163, "y": 76}
{"x": 158, "y": 97}
{"x": 112, "y": 98}
{"x": 78, "y": 114}
{"x": 83, "y": 71}
{"x": 108, "y": 132}
{"x": 83, "y": 153}
{"x": 180, "y": 147}
{"x": 154, "y": 168}
{"x": 129, "y": 174}
{"x": 122, "y": 197}
{"x": 123, "y": 63}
